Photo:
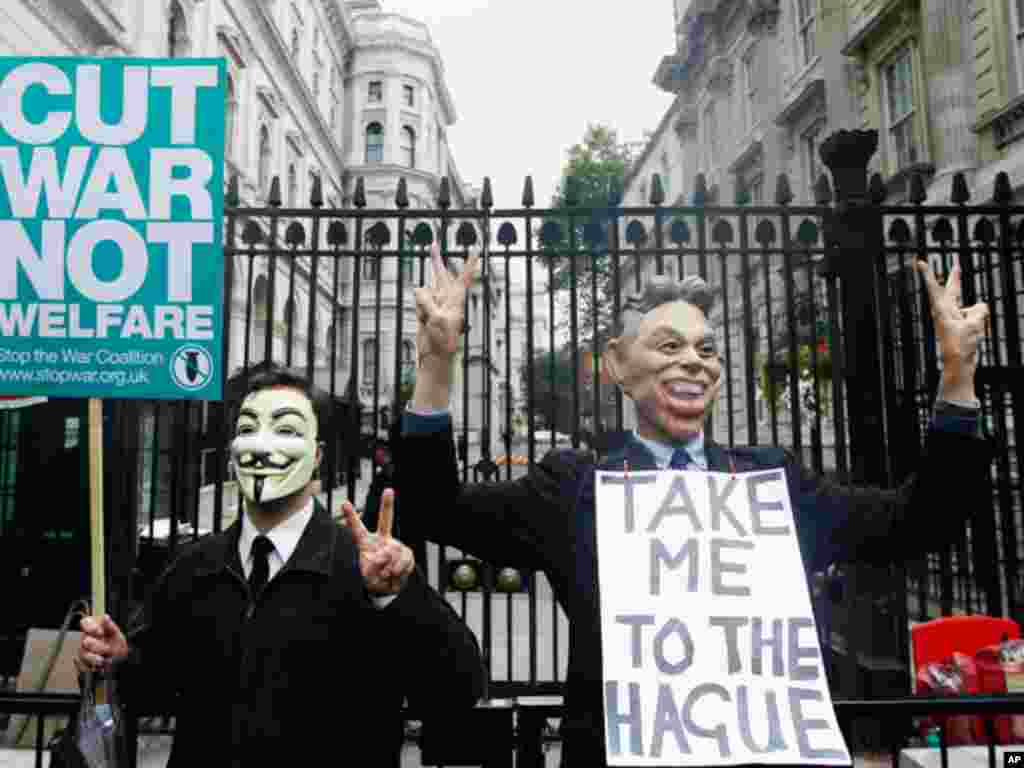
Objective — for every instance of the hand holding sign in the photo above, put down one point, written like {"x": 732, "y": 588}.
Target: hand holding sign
{"x": 384, "y": 562}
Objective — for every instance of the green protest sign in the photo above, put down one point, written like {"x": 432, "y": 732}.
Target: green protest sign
{"x": 111, "y": 203}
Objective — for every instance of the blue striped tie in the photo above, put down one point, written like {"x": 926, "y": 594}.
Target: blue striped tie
{"x": 680, "y": 459}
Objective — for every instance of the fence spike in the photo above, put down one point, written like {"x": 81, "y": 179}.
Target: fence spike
{"x": 614, "y": 192}
{"x": 918, "y": 194}
{"x": 822, "y": 190}
{"x": 402, "y": 194}
{"x": 486, "y": 196}
{"x": 528, "y": 192}
{"x": 316, "y": 195}
{"x": 274, "y": 197}
{"x": 657, "y": 190}
{"x": 700, "y": 190}
{"x": 960, "y": 194}
{"x": 1002, "y": 194}
{"x": 876, "y": 189}
{"x": 444, "y": 194}
{"x": 359, "y": 198}
{"x": 233, "y": 198}
{"x": 783, "y": 190}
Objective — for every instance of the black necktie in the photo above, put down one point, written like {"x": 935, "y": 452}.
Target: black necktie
{"x": 680, "y": 459}
{"x": 258, "y": 577}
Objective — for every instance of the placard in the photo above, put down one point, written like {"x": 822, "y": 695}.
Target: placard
{"x": 111, "y": 206}
{"x": 710, "y": 649}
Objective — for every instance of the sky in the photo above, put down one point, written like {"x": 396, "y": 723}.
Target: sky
{"x": 527, "y": 76}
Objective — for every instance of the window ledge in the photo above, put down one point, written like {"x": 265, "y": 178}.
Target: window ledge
{"x": 1007, "y": 123}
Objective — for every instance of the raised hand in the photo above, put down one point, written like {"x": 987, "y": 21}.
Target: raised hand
{"x": 958, "y": 332}
{"x": 384, "y": 562}
{"x": 440, "y": 308}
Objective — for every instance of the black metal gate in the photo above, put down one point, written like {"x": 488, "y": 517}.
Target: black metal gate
{"x": 823, "y": 329}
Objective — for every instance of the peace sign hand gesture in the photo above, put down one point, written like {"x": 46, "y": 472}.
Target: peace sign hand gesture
{"x": 958, "y": 332}
{"x": 384, "y": 562}
{"x": 440, "y": 307}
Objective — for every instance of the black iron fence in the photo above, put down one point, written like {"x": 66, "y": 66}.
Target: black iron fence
{"x": 822, "y": 326}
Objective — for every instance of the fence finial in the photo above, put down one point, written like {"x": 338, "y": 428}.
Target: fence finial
{"x": 960, "y": 194}
{"x": 876, "y": 189}
{"x": 783, "y": 191}
{"x": 402, "y": 194}
{"x": 700, "y": 190}
{"x": 657, "y": 190}
{"x": 528, "y": 192}
{"x": 917, "y": 194}
{"x": 359, "y": 198}
{"x": 233, "y": 198}
{"x": 316, "y": 195}
{"x": 1002, "y": 194}
{"x": 486, "y": 196}
{"x": 444, "y": 194}
{"x": 274, "y": 197}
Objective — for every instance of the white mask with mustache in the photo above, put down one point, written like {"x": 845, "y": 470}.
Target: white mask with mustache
{"x": 274, "y": 452}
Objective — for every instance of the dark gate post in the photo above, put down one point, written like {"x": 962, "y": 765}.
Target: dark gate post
{"x": 858, "y": 237}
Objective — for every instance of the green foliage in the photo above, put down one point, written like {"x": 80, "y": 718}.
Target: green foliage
{"x": 774, "y": 378}
{"x": 594, "y": 166}
{"x": 552, "y": 404}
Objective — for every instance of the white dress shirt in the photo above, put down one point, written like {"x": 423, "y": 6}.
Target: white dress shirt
{"x": 285, "y": 538}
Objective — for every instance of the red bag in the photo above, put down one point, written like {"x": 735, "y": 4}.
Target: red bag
{"x": 954, "y": 677}
{"x": 1001, "y": 671}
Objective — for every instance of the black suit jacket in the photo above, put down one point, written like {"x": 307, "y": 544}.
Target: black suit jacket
{"x": 545, "y": 521}
{"x": 312, "y": 664}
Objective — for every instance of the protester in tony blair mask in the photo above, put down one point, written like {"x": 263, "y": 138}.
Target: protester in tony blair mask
{"x": 665, "y": 360}
{"x": 262, "y": 630}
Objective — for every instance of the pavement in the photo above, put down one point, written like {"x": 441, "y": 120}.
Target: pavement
{"x": 154, "y": 752}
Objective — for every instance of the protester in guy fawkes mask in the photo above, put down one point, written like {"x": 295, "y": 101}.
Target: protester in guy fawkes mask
{"x": 262, "y": 630}
{"x": 664, "y": 359}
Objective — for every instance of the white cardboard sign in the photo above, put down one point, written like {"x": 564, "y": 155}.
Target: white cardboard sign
{"x": 710, "y": 649}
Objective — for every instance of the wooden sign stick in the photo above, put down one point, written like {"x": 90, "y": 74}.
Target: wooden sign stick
{"x": 97, "y": 558}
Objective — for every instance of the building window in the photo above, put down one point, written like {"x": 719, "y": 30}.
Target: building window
{"x": 369, "y": 268}
{"x": 756, "y": 190}
{"x": 900, "y": 113}
{"x": 230, "y": 116}
{"x": 264, "y": 170}
{"x": 408, "y": 269}
{"x": 408, "y": 147}
{"x": 293, "y": 187}
{"x": 810, "y": 141}
{"x": 749, "y": 90}
{"x": 177, "y": 32}
{"x": 369, "y": 360}
{"x": 374, "y": 143}
{"x": 806, "y": 14}
{"x": 376, "y": 91}
{"x": 409, "y": 95}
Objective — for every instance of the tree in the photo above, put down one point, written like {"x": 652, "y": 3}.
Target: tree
{"x": 595, "y": 167}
